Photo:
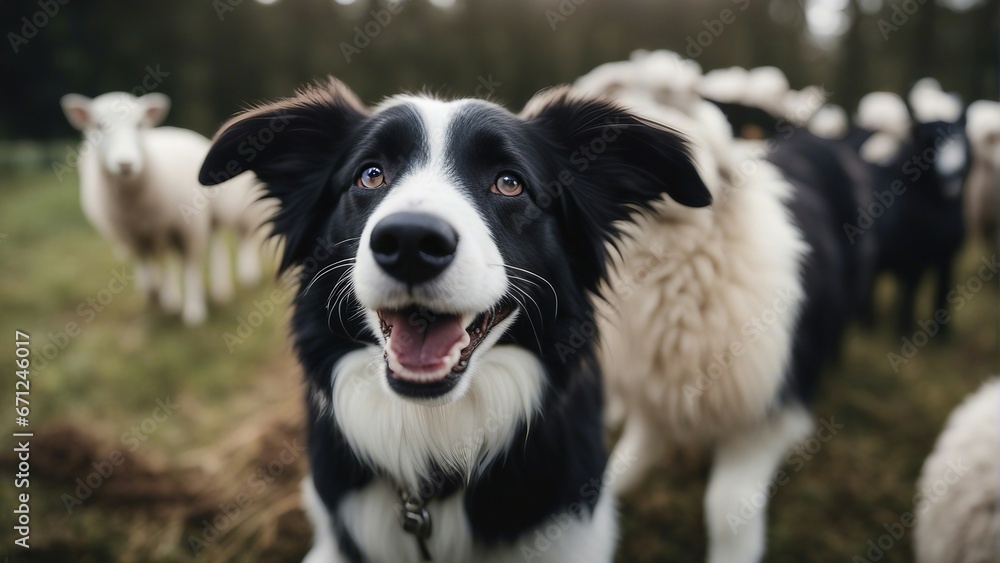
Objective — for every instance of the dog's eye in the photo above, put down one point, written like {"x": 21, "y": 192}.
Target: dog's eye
{"x": 371, "y": 177}
{"x": 507, "y": 185}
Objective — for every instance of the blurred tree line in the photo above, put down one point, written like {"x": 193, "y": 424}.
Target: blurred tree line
{"x": 213, "y": 57}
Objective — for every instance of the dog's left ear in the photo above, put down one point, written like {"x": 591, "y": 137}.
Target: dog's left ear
{"x": 618, "y": 162}
{"x": 292, "y": 145}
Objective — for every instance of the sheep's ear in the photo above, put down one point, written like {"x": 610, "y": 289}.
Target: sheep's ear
{"x": 292, "y": 145}
{"x": 617, "y": 162}
{"x": 155, "y": 108}
{"x": 77, "y": 110}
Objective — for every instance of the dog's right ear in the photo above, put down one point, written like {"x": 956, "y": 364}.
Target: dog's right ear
{"x": 293, "y": 145}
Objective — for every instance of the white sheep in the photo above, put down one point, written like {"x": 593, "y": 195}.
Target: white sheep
{"x": 982, "y": 195}
{"x": 886, "y": 115}
{"x": 830, "y": 122}
{"x": 957, "y": 516}
{"x": 139, "y": 188}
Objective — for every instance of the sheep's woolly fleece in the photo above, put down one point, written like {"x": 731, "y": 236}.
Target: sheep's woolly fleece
{"x": 957, "y": 517}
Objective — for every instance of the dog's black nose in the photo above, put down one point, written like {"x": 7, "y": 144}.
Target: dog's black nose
{"x": 413, "y": 247}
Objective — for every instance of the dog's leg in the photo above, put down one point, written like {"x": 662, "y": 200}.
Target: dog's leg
{"x": 324, "y": 548}
{"x": 219, "y": 274}
{"x": 642, "y": 445}
{"x": 743, "y": 467}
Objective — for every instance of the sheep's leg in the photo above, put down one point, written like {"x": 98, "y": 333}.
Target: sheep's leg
{"x": 220, "y": 275}
{"x": 636, "y": 452}
{"x": 194, "y": 311}
{"x": 740, "y": 485}
{"x": 248, "y": 267}
{"x": 147, "y": 280}
{"x": 170, "y": 286}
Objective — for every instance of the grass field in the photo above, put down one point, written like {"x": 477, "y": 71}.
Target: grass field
{"x": 189, "y": 446}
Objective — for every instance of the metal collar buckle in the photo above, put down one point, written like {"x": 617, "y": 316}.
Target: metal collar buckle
{"x": 416, "y": 520}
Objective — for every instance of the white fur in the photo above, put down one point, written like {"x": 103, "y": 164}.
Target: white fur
{"x": 138, "y": 187}
{"x": 370, "y": 517}
{"x": 885, "y": 112}
{"x": 800, "y": 106}
{"x": 958, "y": 518}
{"x": 406, "y": 438}
{"x": 661, "y": 76}
{"x": 742, "y": 463}
{"x": 766, "y": 88}
{"x": 931, "y": 103}
{"x": 829, "y": 122}
{"x": 324, "y": 546}
{"x": 724, "y": 84}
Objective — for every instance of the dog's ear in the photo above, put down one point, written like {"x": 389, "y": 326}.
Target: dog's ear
{"x": 293, "y": 145}
{"x": 618, "y": 162}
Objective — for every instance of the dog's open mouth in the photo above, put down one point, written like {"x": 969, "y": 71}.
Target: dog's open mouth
{"x": 426, "y": 352}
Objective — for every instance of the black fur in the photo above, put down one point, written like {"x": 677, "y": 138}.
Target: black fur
{"x": 830, "y": 182}
{"x": 558, "y": 229}
{"x": 922, "y": 229}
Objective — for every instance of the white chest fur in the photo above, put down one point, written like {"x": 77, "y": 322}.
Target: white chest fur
{"x": 406, "y": 439}
{"x": 369, "y": 516}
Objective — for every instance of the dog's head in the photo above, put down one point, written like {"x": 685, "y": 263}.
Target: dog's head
{"x": 435, "y": 229}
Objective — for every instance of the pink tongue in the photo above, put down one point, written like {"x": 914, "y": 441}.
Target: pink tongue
{"x": 421, "y": 344}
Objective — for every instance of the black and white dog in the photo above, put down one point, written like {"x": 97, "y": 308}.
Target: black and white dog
{"x": 446, "y": 251}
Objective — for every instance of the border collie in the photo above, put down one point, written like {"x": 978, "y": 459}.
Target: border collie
{"x": 447, "y": 251}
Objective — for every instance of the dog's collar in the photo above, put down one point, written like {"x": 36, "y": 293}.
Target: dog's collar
{"x": 415, "y": 520}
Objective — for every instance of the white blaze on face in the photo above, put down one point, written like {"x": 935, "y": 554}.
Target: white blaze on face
{"x": 951, "y": 161}
{"x": 427, "y": 328}
{"x": 475, "y": 279}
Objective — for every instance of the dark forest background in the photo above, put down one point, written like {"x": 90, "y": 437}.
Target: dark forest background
{"x": 223, "y": 54}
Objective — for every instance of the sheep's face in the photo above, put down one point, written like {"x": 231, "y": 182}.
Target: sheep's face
{"x": 984, "y": 132}
{"x": 112, "y": 124}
